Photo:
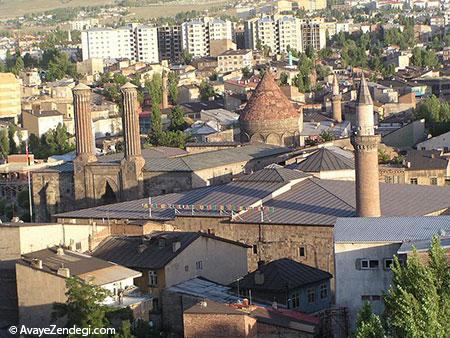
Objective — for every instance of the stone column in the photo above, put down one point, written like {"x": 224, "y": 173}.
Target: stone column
{"x": 83, "y": 123}
{"x": 131, "y": 122}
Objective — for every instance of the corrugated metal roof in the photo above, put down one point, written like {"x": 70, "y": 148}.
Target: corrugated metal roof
{"x": 422, "y": 245}
{"x": 284, "y": 273}
{"x": 273, "y": 173}
{"x": 389, "y": 229}
{"x": 324, "y": 160}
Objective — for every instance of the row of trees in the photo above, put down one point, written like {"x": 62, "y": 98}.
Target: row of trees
{"x": 418, "y": 302}
{"x": 436, "y": 113}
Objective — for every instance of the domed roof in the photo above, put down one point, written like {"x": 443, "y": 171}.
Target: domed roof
{"x": 268, "y": 102}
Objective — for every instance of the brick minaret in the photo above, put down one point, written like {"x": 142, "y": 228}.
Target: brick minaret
{"x": 165, "y": 92}
{"x": 336, "y": 101}
{"x": 83, "y": 123}
{"x": 366, "y": 143}
{"x": 133, "y": 162}
{"x": 85, "y": 146}
{"x": 131, "y": 121}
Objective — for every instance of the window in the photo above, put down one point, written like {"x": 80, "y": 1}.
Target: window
{"x": 367, "y": 264}
{"x": 255, "y": 249}
{"x": 152, "y": 278}
{"x": 199, "y": 265}
{"x": 295, "y": 300}
{"x": 186, "y": 268}
{"x": 387, "y": 179}
{"x": 311, "y": 296}
{"x": 433, "y": 181}
{"x": 323, "y": 291}
{"x": 302, "y": 251}
{"x": 365, "y": 298}
{"x": 388, "y": 263}
{"x": 413, "y": 180}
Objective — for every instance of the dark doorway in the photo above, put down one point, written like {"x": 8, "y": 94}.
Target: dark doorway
{"x": 109, "y": 196}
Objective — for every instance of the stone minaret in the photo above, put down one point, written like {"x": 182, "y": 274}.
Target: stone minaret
{"x": 366, "y": 143}
{"x": 336, "y": 101}
{"x": 165, "y": 88}
{"x": 85, "y": 147}
{"x": 83, "y": 123}
{"x": 133, "y": 162}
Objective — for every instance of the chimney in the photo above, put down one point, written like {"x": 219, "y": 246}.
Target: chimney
{"x": 245, "y": 302}
{"x": 65, "y": 272}
{"x": 36, "y": 263}
{"x": 60, "y": 251}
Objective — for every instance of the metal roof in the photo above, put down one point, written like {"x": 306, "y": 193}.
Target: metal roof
{"x": 284, "y": 273}
{"x": 324, "y": 160}
{"x": 422, "y": 245}
{"x": 310, "y": 201}
{"x": 389, "y": 229}
{"x": 274, "y": 174}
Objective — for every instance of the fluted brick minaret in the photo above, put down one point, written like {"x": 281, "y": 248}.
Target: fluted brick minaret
{"x": 336, "y": 101}
{"x": 366, "y": 143}
{"x": 83, "y": 123}
{"x": 165, "y": 90}
{"x": 133, "y": 163}
{"x": 131, "y": 121}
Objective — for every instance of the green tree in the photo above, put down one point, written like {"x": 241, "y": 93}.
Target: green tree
{"x": 326, "y": 136}
{"x": 154, "y": 87}
{"x": 4, "y": 143}
{"x": 283, "y": 79}
{"x": 23, "y": 199}
{"x": 418, "y": 301}
{"x": 60, "y": 66}
{"x": 186, "y": 57}
{"x": 368, "y": 325}
{"x": 173, "y": 80}
{"x": 84, "y": 306}
{"x": 206, "y": 91}
{"x": 177, "y": 119}
{"x": 19, "y": 65}
{"x": 246, "y": 72}
{"x": 155, "y": 134}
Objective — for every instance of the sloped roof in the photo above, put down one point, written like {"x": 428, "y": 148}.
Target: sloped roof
{"x": 422, "y": 245}
{"x": 273, "y": 174}
{"x": 283, "y": 273}
{"x": 268, "y": 102}
{"x": 324, "y": 160}
{"x": 389, "y": 229}
{"x": 152, "y": 252}
{"x": 310, "y": 201}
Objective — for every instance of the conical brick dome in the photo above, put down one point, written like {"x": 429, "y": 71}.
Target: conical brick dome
{"x": 270, "y": 117}
{"x": 268, "y": 102}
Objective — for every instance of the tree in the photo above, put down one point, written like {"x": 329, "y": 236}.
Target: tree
{"x": 19, "y": 65}
{"x": 60, "y": 66}
{"x": 186, "y": 57}
{"x": 368, "y": 325}
{"x": 326, "y": 136}
{"x": 246, "y": 72}
{"x": 206, "y": 91}
{"x": 418, "y": 301}
{"x": 84, "y": 306}
{"x": 283, "y": 79}
{"x": 436, "y": 113}
{"x": 154, "y": 87}
{"x": 156, "y": 131}
{"x": 4, "y": 143}
{"x": 177, "y": 119}
{"x": 173, "y": 80}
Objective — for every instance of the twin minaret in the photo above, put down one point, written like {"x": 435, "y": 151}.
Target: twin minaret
{"x": 130, "y": 183}
{"x": 365, "y": 143}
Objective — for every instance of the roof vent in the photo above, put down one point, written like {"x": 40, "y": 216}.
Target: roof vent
{"x": 65, "y": 272}
{"x": 259, "y": 278}
{"x": 36, "y": 263}
{"x": 203, "y": 303}
{"x": 176, "y": 246}
{"x": 60, "y": 251}
{"x": 141, "y": 248}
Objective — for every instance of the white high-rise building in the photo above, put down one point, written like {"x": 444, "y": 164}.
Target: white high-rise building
{"x": 197, "y": 34}
{"x": 282, "y": 31}
{"x": 134, "y": 42}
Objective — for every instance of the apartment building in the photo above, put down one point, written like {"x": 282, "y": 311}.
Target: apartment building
{"x": 10, "y": 105}
{"x": 232, "y": 60}
{"x": 289, "y": 34}
{"x": 169, "y": 43}
{"x": 197, "y": 34}
{"x": 314, "y": 33}
{"x": 133, "y": 42}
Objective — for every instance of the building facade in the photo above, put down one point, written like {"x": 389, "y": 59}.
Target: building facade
{"x": 10, "y": 105}
{"x": 169, "y": 43}
{"x": 133, "y": 42}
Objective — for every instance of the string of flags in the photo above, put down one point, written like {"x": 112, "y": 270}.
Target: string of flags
{"x": 207, "y": 207}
